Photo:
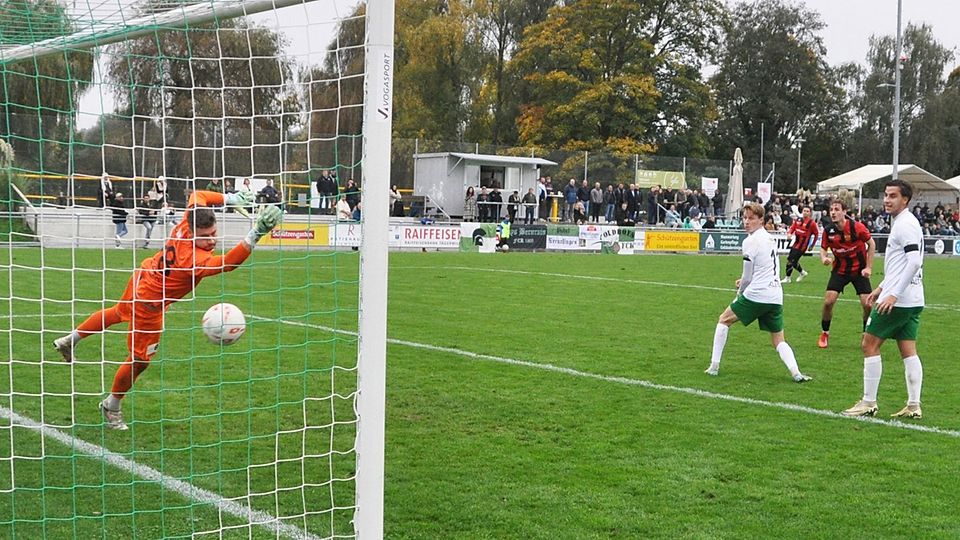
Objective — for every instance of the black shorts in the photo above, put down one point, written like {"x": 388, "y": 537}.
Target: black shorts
{"x": 838, "y": 282}
{"x": 795, "y": 254}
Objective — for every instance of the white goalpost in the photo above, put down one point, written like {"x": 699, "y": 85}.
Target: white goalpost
{"x": 113, "y": 115}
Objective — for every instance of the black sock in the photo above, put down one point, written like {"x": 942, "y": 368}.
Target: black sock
{"x": 825, "y": 325}
{"x": 797, "y": 266}
{"x": 789, "y": 270}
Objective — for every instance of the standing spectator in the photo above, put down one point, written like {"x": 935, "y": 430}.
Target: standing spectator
{"x": 704, "y": 203}
{"x": 583, "y": 195}
{"x": 596, "y": 202}
{"x": 269, "y": 194}
{"x": 215, "y": 186}
{"x": 119, "y": 217}
{"x": 160, "y": 188}
{"x": 529, "y": 206}
{"x": 483, "y": 204}
{"x": 513, "y": 202}
{"x": 633, "y": 201}
{"x": 496, "y": 199}
{"x": 396, "y": 202}
{"x": 610, "y": 203}
{"x": 247, "y": 192}
{"x": 147, "y": 216}
{"x": 352, "y": 192}
{"x": 569, "y": 197}
{"x": 105, "y": 192}
{"x": 327, "y": 189}
{"x": 470, "y": 205}
{"x": 652, "y": 208}
{"x": 718, "y": 203}
{"x": 542, "y": 191}
{"x": 759, "y": 296}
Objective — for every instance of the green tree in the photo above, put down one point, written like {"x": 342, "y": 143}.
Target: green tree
{"x": 216, "y": 84}
{"x": 922, "y": 81}
{"x": 773, "y": 77}
{"x": 39, "y": 96}
{"x": 934, "y": 141}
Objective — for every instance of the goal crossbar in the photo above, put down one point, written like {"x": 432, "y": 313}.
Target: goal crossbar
{"x": 174, "y": 19}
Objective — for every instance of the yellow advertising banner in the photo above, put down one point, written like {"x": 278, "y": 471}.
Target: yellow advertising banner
{"x": 672, "y": 241}
{"x": 296, "y": 234}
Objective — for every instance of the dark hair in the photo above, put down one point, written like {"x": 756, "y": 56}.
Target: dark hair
{"x": 201, "y": 218}
{"x": 841, "y": 202}
{"x": 905, "y": 188}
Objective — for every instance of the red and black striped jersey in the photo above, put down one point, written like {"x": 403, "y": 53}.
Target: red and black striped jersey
{"x": 803, "y": 230}
{"x": 848, "y": 241}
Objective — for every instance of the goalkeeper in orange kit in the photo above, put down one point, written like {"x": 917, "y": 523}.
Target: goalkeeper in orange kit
{"x": 169, "y": 275}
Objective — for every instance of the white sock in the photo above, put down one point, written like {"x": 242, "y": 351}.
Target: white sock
{"x": 112, "y": 402}
{"x": 75, "y": 337}
{"x": 789, "y": 360}
{"x": 872, "y": 370}
{"x": 913, "y": 372}
{"x": 719, "y": 341}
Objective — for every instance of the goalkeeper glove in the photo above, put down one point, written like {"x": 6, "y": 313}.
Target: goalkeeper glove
{"x": 240, "y": 201}
{"x": 267, "y": 219}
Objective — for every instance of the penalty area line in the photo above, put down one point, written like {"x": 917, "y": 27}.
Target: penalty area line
{"x": 185, "y": 489}
{"x": 632, "y": 281}
{"x": 638, "y": 382}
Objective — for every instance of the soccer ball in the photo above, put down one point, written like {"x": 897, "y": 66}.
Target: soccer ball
{"x": 224, "y": 324}
{"x": 505, "y": 247}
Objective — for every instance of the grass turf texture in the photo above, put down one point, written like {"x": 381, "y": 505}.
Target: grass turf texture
{"x": 478, "y": 448}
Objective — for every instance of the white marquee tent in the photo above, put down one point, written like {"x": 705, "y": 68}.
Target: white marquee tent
{"x": 927, "y": 186}
{"x": 955, "y": 182}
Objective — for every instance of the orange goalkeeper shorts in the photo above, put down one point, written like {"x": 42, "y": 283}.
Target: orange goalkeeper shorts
{"x": 145, "y": 319}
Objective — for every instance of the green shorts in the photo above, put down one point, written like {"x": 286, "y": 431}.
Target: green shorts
{"x": 903, "y": 323}
{"x": 770, "y": 316}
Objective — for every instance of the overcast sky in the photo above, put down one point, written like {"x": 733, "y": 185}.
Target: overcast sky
{"x": 849, "y": 25}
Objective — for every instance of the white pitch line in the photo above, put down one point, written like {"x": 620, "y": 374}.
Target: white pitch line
{"x": 947, "y": 307}
{"x": 637, "y": 382}
{"x": 187, "y": 490}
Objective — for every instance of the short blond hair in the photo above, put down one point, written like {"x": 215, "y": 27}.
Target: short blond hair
{"x": 754, "y": 208}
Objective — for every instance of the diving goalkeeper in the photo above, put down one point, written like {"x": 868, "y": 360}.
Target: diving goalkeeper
{"x": 169, "y": 275}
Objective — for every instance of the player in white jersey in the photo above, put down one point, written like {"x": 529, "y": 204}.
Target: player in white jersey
{"x": 759, "y": 295}
{"x": 896, "y": 305}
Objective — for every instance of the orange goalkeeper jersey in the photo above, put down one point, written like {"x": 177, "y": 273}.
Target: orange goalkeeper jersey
{"x": 174, "y": 271}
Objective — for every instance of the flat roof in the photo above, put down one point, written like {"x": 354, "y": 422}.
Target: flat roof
{"x": 489, "y": 159}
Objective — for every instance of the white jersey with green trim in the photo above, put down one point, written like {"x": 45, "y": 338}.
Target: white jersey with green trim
{"x": 905, "y": 242}
{"x": 761, "y": 268}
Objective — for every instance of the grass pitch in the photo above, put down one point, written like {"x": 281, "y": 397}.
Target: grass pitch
{"x": 528, "y": 396}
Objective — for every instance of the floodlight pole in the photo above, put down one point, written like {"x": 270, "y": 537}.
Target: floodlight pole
{"x": 896, "y": 93}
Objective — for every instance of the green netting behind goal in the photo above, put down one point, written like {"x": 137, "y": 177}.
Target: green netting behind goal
{"x": 154, "y": 100}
